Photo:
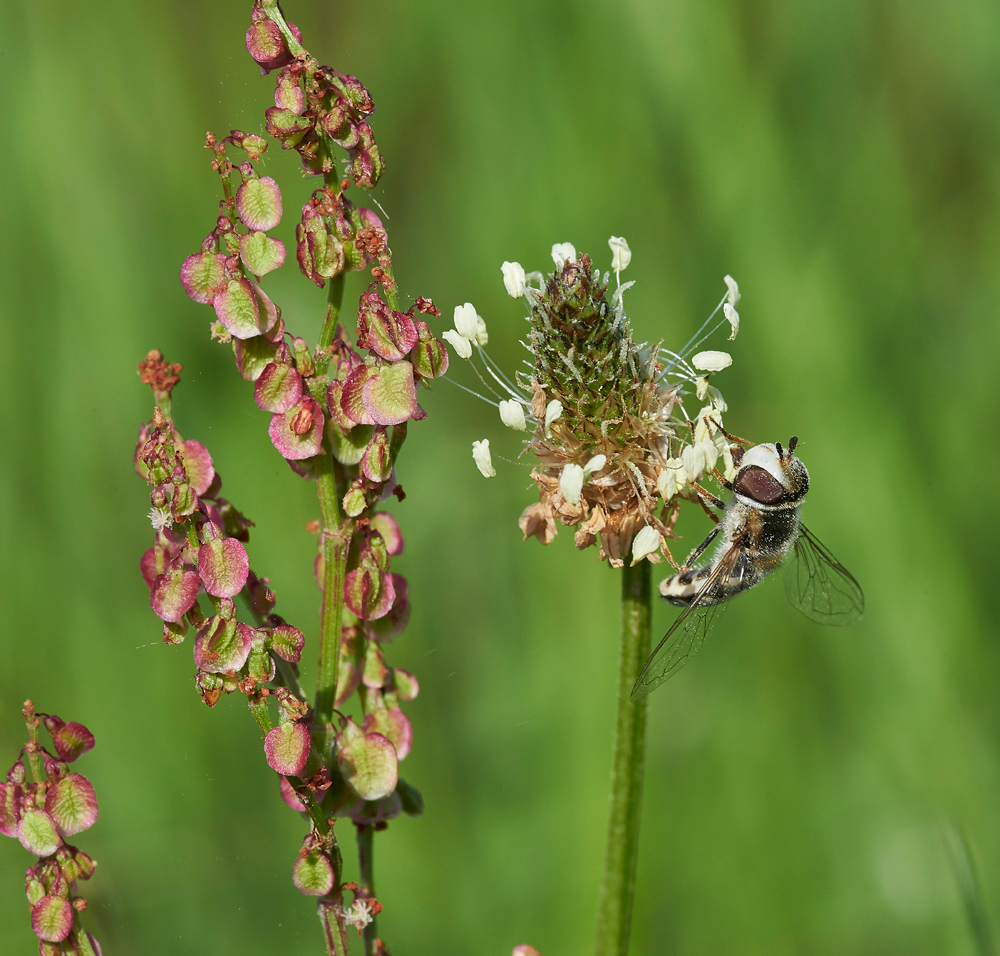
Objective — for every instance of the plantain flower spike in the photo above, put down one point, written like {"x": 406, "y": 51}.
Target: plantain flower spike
{"x": 613, "y": 446}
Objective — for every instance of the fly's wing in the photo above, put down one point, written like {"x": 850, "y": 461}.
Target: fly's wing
{"x": 820, "y": 586}
{"x": 687, "y": 633}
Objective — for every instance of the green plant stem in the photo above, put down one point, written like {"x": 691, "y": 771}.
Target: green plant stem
{"x": 366, "y": 862}
{"x": 614, "y": 914}
{"x": 334, "y": 556}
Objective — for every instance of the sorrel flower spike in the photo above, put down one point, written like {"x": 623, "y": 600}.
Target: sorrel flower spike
{"x": 615, "y": 445}
{"x": 41, "y": 812}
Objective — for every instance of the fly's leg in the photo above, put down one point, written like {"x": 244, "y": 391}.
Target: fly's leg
{"x": 708, "y": 498}
{"x": 700, "y": 550}
{"x": 735, "y": 438}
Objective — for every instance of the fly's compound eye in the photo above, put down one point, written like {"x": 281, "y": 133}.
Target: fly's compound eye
{"x": 759, "y": 485}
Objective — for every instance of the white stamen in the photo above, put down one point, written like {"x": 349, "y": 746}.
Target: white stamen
{"x": 646, "y": 542}
{"x": 467, "y": 321}
{"x": 733, "y": 295}
{"x": 733, "y": 318}
{"x": 512, "y": 414}
{"x": 571, "y": 483}
{"x": 481, "y": 456}
{"x": 358, "y": 914}
{"x": 461, "y": 345}
{"x": 711, "y": 361}
{"x": 552, "y": 411}
{"x": 514, "y": 279}
{"x": 160, "y": 518}
{"x": 621, "y": 255}
{"x": 563, "y": 252}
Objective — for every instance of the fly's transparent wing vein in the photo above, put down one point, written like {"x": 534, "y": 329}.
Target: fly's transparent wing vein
{"x": 687, "y": 633}
{"x": 820, "y": 586}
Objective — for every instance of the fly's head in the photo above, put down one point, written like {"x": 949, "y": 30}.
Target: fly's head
{"x": 771, "y": 476}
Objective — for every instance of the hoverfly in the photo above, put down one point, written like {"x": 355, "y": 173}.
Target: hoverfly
{"x": 758, "y": 530}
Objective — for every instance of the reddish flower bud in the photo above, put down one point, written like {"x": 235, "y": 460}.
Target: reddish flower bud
{"x": 222, "y": 647}
{"x": 376, "y": 463}
{"x": 258, "y": 202}
{"x": 288, "y": 94}
{"x": 394, "y": 623}
{"x": 388, "y": 527}
{"x": 265, "y": 42}
{"x": 287, "y": 642}
{"x": 380, "y": 395}
{"x": 406, "y": 684}
{"x": 260, "y": 253}
{"x": 374, "y": 672}
{"x": 203, "y": 276}
{"x": 287, "y": 749}
{"x": 72, "y": 804}
{"x": 253, "y": 355}
{"x": 37, "y": 832}
{"x": 289, "y": 795}
{"x": 429, "y": 356}
{"x": 395, "y": 725}
{"x": 197, "y": 465}
{"x": 223, "y": 566}
{"x": 10, "y": 808}
{"x": 369, "y": 593}
{"x": 367, "y": 762}
{"x": 52, "y": 918}
{"x": 313, "y": 874}
{"x": 244, "y": 309}
{"x": 174, "y": 594}
{"x": 278, "y": 388}
{"x": 298, "y": 432}
{"x": 287, "y": 126}
{"x": 389, "y": 334}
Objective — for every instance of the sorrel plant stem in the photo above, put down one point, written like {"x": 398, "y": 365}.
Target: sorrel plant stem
{"x": 614, "y": 915}
{"x": 366, "y": 861}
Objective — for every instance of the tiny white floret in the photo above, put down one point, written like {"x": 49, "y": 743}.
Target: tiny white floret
{"x": 160, "y": 518}
{"x": 481, "y": 456}
{"x": 552, "y": 411}
{"x": 733, "y": 318}
{"x": 701, "y": 387}
{"x": 733, "y": 295}
{"x": 646, "y": 542}
{"x": 563, "y": 252}
{"x": 512, "y": 414}
{"x": 481, "y": 336}
{"x": 461, "y": 345}
{"x": 514, "y": 279}
{"x": 467, "y": 321}
{"x": 594, "y": 465}
{"x": 571, "y": 483}
{"x": 621, "y": 255}
{"x": 711, "y": 361}
{"x": 358, "y": 914}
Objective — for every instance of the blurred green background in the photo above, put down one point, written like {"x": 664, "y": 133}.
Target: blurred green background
{"x": 839, "y": 159}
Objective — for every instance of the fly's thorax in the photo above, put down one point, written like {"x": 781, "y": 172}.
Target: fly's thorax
{"x": 770, "y": 478}
{"x": 764, "y": 534}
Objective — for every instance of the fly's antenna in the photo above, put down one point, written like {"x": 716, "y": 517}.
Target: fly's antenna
{"x": 778, "y": 448}
{"x": 792, "y": 442}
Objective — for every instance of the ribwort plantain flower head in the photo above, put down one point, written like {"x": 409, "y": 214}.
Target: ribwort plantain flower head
{"x": 615, "y": 435}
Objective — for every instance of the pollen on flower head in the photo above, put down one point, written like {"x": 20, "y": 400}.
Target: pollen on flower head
{"x": 646, "y": 542}
{"x": 512, "y": 414}
{"x": 733, "y": 318}
{"x": 481, "y": 456}
{"x": 467, "y": 321}
{"x": 514, "y": 279}
{"x": 160, "y": 518}
{"x": 461, "y": 345}
{"x": 563, "y": 252}
{"x": 733, "y": 295}
{"x": 711, "y": 361}
{"x": 358, "y": 914}
{"x": 621, "y": 255}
